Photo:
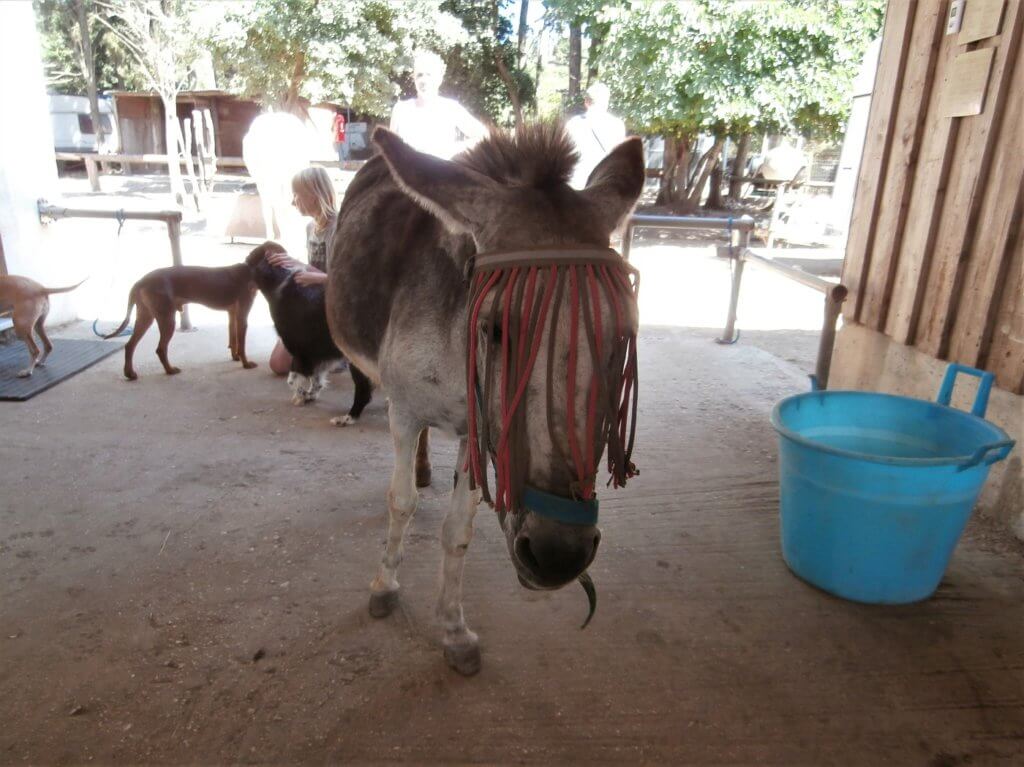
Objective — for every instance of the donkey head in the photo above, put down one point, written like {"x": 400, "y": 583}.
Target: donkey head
{"x": 548, "y": 341}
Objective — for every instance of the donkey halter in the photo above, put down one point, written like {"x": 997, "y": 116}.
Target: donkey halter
{"x": 525, "y": 313}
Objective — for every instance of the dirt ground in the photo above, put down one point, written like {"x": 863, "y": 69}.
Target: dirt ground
{"x": 185, "y": 562}
{"x": 185, "y": 565}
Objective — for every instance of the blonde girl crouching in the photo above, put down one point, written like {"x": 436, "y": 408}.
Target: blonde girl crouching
{"x": 313, "y": 196}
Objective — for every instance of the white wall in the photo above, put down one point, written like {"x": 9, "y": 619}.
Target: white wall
{"x": 28, "y": 170}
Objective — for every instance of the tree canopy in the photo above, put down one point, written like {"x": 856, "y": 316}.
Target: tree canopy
{"x": 281, "y": 50}
{"x": 675, "y": 68}
{"x": 678, "y": 69}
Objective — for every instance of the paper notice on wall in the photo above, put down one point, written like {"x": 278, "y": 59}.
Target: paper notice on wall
{"x": 981, "y": 19}
{"x": 966, "y": 85}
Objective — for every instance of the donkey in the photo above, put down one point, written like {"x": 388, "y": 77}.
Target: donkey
{"x": 408, "y": 254}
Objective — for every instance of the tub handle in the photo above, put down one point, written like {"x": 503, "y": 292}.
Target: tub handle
{"x": 1002, "y": 449}
{"x": 984, "y": 388}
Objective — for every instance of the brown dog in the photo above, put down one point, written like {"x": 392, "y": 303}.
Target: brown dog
{"x": 31, "y": 304}
{"x": 163, "y": 292}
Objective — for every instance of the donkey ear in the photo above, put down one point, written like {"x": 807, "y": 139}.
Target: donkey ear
{"x": 453, "y": 193}
{"x": 615, "y": 184}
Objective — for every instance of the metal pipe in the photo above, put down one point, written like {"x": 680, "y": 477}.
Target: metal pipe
{"x": 741, "y": 224}
{"x": 171, "y": 217}
{"x": 56, "y": 212}
{"x": 835, "y": 294}
{"x": 729, "y": 334}
{"x": 736, "y": 254}
{"x": 833, "y": 304}
{"x": 810, "y": 280}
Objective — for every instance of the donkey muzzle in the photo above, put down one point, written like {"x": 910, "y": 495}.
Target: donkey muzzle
{"x": 550, "y": 554}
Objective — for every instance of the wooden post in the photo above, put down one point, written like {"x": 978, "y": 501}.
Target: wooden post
{"x": 197, "y": 128}
{"x": 93, "y": 173}
{"x": 210, "y": 140}
{"x": 174, "y": 233}
{"x": 185, "y": 150}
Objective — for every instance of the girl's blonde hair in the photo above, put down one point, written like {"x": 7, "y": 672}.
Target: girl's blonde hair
{"x": 314, "y": 185}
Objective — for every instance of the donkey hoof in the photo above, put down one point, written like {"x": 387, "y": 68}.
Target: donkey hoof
{"x": 172, "y": 371}
{"x": 383, "y": 603}
{"x": 24, "y": 373}
{"x": 463, "y": 657}
{"x": 422, "y": 476}
{"x": 248, "y": 365}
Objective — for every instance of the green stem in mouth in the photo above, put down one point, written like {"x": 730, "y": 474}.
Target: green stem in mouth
{"x": 588, "y": 586}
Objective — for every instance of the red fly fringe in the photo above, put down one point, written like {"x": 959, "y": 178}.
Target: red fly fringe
{"x": 529, "y": 304}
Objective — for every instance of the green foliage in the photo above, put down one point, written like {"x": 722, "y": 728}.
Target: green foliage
{"x": 678, "y": 69}
{"x": 62, "y": 52}
{"x": 340, "y": 50}
{"x": 473, "y": 74}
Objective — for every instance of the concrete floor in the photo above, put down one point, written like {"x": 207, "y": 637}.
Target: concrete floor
{"x": 184, "y": 566}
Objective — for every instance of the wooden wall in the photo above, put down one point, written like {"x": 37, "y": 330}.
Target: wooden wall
{"x": 934, "y": 258}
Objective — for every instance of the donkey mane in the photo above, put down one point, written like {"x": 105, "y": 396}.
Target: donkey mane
{"x": 536, "y": 156}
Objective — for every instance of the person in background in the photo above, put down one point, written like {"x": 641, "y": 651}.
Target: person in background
{"x": 596, "y": 132}
{"x": 340, "y": 144}
{"x": 313, "y": 196}
{"x": 431, "y": 122}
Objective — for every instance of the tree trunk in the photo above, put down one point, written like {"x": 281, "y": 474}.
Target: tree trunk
{"x": 674, "y": 169}
{"x": 739, "y": 166}
{"x": 511, "y": 86}
{"x": 524, "y": 9}
{"x": 575, "y": 64}
{"x": 291, "y": 98}
{"x": 704, "y": 168}
{"x": 596, "y": 41}
{"x": 171, "y": 142}
{"x": 714, "y": 201}
{"x": 89, "y": 70}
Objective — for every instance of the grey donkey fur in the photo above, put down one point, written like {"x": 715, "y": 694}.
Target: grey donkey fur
{"x": 396, "y": 306}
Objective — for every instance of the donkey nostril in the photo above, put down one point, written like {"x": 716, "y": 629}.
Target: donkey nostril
{"x": 524, "y": 553}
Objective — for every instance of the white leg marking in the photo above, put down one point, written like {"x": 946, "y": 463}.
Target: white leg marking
{"x": 456, "y": 534}
{"x": 402, "y": 498}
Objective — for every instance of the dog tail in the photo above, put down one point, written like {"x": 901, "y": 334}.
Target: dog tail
{"x": 132, "y": 300}
{"x": 51, "y": 291}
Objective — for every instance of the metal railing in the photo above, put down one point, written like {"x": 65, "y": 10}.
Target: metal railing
{"x": 94, "y": 163}
{"x": 740, "y": 230}
{"x": 51, "y": 212}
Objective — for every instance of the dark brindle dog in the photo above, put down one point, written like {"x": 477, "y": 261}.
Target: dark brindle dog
{"x": 301, "y": 322}
{"x": 162, "y": 292}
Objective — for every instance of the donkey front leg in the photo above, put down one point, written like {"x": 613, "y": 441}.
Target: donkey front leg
{"x": 401, "y": 506}
{"x": 461, "y": 647}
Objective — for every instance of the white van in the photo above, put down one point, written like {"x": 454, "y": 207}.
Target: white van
{"x": 72, "y": 124}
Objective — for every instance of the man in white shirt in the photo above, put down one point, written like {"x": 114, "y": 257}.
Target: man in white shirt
{"x": 430, "y": 122}
{"x": 596, "y": 132}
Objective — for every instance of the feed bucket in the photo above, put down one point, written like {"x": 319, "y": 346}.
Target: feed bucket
{"x": 876, "y": 488}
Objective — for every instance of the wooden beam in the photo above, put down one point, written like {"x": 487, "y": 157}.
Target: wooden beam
{"x": 987, "y": 271}
{"x": 968, "y": 180}
{"x": 929, "y": 188}
{"x": 885, "y": 98}
{"x": 1006, "y": 354}
{"x": 929, "y": 26}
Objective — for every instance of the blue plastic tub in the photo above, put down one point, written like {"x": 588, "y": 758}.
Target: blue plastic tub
{"x": 876, "y": 489}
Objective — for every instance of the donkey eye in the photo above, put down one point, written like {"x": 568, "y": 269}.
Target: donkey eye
{"x": 490, "y": 332}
